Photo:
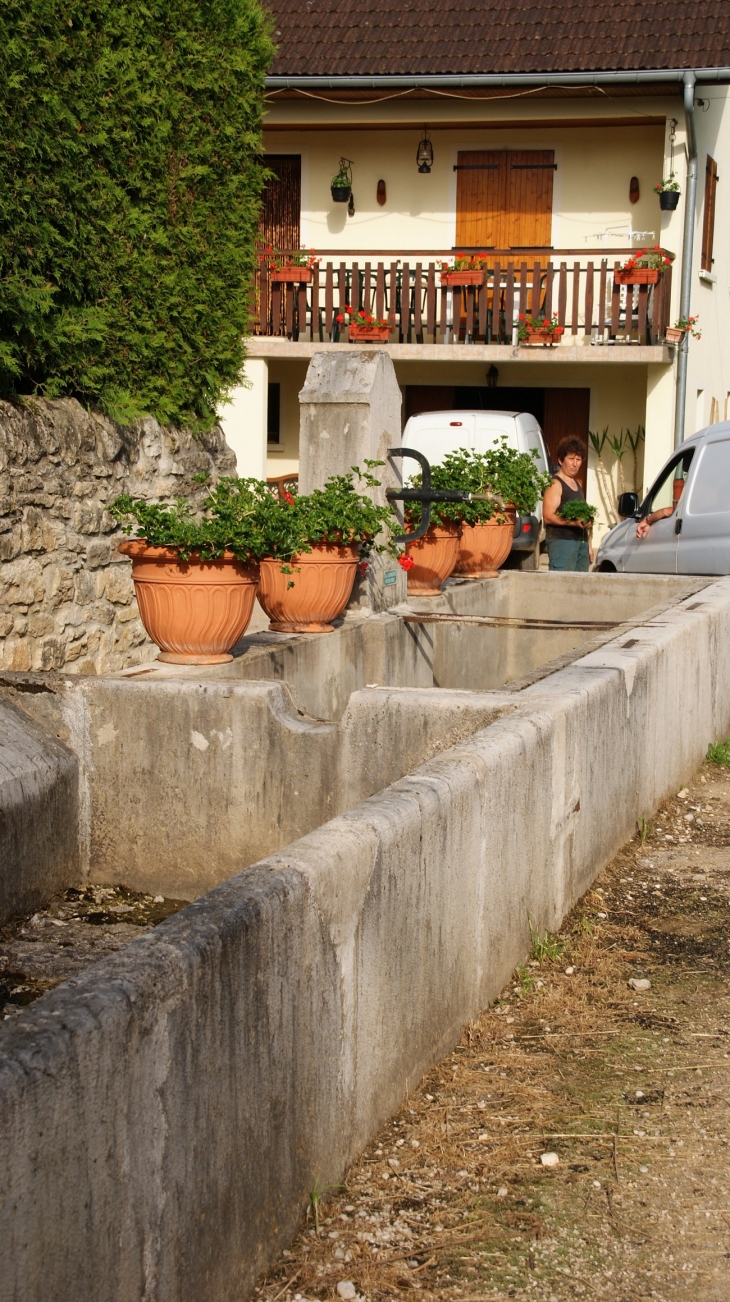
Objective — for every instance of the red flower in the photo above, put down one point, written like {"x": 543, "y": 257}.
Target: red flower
{"x": 347, "y": 307}
{"x": 339, "y": 318}
{"x": 288, "y": 498}
{"x": 405, "y": 561}
{"x": 363, "y": 567}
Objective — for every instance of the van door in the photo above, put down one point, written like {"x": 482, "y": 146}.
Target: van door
{"x": 436, "y": 433}
{"x": 657, "y": 553}
{"x": 704, "y": 540}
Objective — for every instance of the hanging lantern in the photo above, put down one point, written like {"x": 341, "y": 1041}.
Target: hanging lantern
{"x": 424, "y": 153}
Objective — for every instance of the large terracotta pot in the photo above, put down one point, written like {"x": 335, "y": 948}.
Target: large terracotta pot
{"x": 194, "y": 610}
{"x": 434, "y": 557}
{"x": 484, "y": 547}
{"x": 315, "y": 592}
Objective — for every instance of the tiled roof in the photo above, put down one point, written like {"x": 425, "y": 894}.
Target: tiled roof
{"x": 381, "y": 37}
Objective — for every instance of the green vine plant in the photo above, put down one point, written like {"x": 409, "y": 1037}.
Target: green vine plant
{"x": 501, "y": 476}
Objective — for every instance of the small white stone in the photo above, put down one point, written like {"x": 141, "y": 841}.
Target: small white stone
{"x": 430, "y": 1098}
{"x": 596, "y": 1184}
{"x": 569, "y": 971}
{"x": 346, "y": 1290}
{"x": 639, "y": 983}
{"x": 601, "y": 915}
{"x": 683, "y": 793}
{"x": 549, "y": 1159}
{"x": 644, "y": 1170}
{"x": 159, "y": 899}
{"x": 503, "y": 1192}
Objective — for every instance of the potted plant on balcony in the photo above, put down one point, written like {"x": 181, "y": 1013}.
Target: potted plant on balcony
{"x": 504, "y": 482}
{"x": 684, "y": 326}
{"x": 315, "y": 543}
{"x": 669, "y": 193}
{"x": 290, "y": 268}
{"x": 341, "y": 183}
{"x": 195, "y": 574}
{"x": 539, "y": 330}
{"x": 466, "y": 269}
{"x": 363, "y": 327}
{"x": 645, "y": 267}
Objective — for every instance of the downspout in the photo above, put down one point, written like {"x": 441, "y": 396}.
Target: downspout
{"x": 685, "y": 292}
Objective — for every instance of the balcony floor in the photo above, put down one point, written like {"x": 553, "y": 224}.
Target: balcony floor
{"x": 268, "y": 346}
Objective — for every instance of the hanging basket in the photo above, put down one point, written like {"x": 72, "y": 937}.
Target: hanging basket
{"x": 668, "y": 200}
{"x": 341, "y": 193}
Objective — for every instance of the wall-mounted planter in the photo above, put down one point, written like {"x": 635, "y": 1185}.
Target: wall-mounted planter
{"x": 668, "y": 200}
{"x": 315, "y": 591}
{"x": 637, "y": 276}
{"x": 452, "y": 279}
{"x": 369, "y": 334}
{"x": 434, "y": 558}
{"x": 484, "y": 547}
{"x": 290, "y": 276}
{"x": 194, "y": 610}
{"x": 674, "y": 335}
{"x": 341, "y": 193}
{"x": 543, "y": 337}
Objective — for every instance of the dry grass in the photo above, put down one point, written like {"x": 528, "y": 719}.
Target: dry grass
{"x": 451, "y": 1198}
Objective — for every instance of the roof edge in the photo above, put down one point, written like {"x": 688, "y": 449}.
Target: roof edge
{"x": 637, "y": 76}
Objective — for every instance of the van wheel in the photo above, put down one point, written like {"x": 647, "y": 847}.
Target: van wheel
{"x": 523, "y": 560}
{"x": 606, "y": 567}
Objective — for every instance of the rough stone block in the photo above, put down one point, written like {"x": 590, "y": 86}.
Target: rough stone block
{"x": 98, "y": 553}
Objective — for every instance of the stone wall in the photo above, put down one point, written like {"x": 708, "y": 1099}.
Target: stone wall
{"x": 66, "y": 595}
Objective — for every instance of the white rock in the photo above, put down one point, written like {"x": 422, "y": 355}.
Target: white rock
{"x": 569, "y": 971}
{"x": 640, "y": 983}
{"x": 503, "y": 1191}
{"x": 346, "y": 1290}
{"x": 644, "y": 1170}
{"x": 159, "y": 899}
{"x": 549, "y": 1159}
{"x": 683, "y": 793}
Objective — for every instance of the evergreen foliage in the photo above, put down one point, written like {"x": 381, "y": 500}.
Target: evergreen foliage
{"x": 129, "y": 198}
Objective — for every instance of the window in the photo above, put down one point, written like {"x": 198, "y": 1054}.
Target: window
{"x": 711, "y": 491}
{"x": 668, "y": 489}
{"x": 273, "y": 418}
{"x": 708, "y": 220}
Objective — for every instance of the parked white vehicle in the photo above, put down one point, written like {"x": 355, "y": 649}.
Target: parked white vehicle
{"x": 695, "y": 538}
{"x": 435, "y": 433}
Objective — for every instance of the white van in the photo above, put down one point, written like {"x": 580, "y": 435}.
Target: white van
{"x": 695, "y": 538}
{"x": 434, "y": 433}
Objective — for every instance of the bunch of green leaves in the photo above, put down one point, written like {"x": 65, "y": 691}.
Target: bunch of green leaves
{"x": 129, "y": 197}
{"x": 338, "y": 513}
{"x": 504, "y": 476}
{"x": 580, "y": 512}
{"x": 233, "y": 519}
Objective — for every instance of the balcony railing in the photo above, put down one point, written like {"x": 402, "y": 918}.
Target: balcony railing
{"x": 578, "y": 287}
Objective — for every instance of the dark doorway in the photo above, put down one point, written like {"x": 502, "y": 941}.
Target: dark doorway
{"x": 282, "y": 202}
{"x": 503, "y": 398}
{"x": 566, "y": 414}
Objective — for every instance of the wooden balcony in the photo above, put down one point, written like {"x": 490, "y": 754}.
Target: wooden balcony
{"x": 577, "y": 286}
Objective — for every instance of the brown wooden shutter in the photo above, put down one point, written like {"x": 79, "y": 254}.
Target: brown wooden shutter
{"x": 481, "y": 194}
{"x": 279, "y": 224}
{"x": 530, "y": 198}
{"x": 566, "y": 415}
{"x": 708, "y": 220}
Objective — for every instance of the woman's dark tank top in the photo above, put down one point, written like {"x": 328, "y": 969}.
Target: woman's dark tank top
{"x": 564, "y": 531}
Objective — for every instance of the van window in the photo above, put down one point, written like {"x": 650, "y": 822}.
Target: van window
{"x": 668, "y": 488}
{"x": 711, "y": 490}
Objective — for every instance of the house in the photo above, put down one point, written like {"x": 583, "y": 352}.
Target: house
{"x": 535, "y": 135}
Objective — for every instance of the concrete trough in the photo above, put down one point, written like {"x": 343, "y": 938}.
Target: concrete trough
{"x": 164, "y": 1116}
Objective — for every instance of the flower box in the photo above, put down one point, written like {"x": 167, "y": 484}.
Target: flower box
{"x": 637, "y": 276}
{"x": 369, "y": 334}
{"x": 290, "y": 275}
{"x": 543, "y": 337}
{"x": 674, "y": 335}
{"x": 452, "y": 279}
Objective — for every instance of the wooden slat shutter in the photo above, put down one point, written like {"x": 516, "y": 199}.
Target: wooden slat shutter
{"x": 566, "y": 414}
{"x": 530, "y": 198}
{"x": 708, "y": 220}
{"x": 279, "y": 224}
{"x": 481, "y": 194}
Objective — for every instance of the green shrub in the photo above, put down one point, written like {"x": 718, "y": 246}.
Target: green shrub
{"x": 718, "y": 752}
{"x": 578, "y": 511}
{"x": 129, "y": 198}
{"x": 505, "y": 475}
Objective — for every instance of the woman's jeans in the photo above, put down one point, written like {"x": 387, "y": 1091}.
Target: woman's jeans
{"x": 568, "y": 554}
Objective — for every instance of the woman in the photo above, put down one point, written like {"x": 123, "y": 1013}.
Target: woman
{"x": 568, "y": 544}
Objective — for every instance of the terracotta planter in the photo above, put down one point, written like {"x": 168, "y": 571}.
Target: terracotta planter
{"x": 194, "y": 610}
{"x": 456, "y": 278}
{"x": 434, "y": 558}
{"x": 674, "y": 335}
{"x": 322, "y": 581}
{"x": 484, "y": 547}
{"x": 369, "y": 334}
{"x": 291, "y": 276}
{"x": 637, "y": 276}
{"x": 543, "y": 337}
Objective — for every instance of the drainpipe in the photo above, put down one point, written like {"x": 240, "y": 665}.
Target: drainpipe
{"x": 685, "y": 292}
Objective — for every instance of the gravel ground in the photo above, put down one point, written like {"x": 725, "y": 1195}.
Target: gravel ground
{"x": 78, "y": 928}
{"x": 458, "y": 1196}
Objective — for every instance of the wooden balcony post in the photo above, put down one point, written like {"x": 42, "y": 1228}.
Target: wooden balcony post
{"x": 329, "y": 309}
{"x": 588, "y": 311}
{"x": 602, "y": 300}
{"x": 563, "y": 294}
{"x": 576, "y": 297}
{"x": 431, "y": 301}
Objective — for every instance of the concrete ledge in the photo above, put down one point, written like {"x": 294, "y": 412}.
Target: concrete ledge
{"x": 163, "y": 1118}
{"x": 605, "y": 354}
{"x": 38, "y": 814}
